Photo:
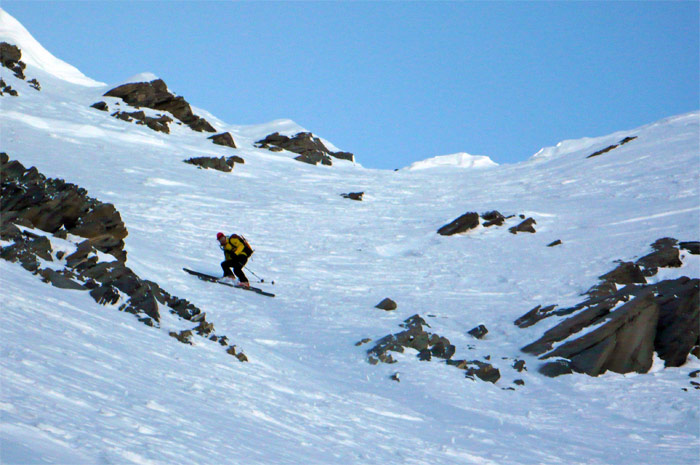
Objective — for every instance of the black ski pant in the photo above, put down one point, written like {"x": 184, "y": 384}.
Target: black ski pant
{"x": 237, "y": 263}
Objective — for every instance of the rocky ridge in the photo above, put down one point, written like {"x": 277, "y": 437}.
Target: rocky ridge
{"x": 623, "y": 328}
{"x": 39, "y": 213}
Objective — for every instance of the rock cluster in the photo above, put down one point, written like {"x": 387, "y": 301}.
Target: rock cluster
{"x": 11, "y": 58}
{"x": 159, "y": 124}
{"x": 155, "y": 95}
{"x": 428, "y": 345}
{"x": 31, "y": 200}
{"x": 607, "y": 149}
{"x": 632, "y": 322}
{"x": 5, "y": 89}
{"x": 471, "y": 220}
{"x": 224, "y": 164}
{"x": 310, "y": 149}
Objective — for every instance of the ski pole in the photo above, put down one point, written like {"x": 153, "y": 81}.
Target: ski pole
{"x": 253, "y": 273}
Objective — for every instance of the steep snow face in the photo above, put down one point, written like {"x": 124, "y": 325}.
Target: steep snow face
{"x": 455, "y": 160}
{"x": 83, "y": 383}
{"x": 34, "y": 54}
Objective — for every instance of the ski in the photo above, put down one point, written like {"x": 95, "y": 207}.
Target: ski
{"x": 214, "y": 279}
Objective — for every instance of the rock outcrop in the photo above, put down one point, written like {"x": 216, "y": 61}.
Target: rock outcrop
{"x": 611, "y": 147}
{"x": 633, "y": 322}
{"x": 57, "y": 208}
{"x": 11, "y": 58}
{"x": 155, "y": 95}
{"x": 310, "y": 149}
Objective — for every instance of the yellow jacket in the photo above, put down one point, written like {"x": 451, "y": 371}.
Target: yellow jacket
{"x": 234, "y": 246}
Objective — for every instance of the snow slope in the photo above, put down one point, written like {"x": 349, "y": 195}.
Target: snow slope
{"x": 83, "y": 383}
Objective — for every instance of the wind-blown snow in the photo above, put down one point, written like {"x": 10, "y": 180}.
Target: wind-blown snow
{"x": 457, "y": 160}
{"x": 84, "y": 383}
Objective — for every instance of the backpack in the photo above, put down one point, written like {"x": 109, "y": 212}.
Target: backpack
{"x": 247, "y": 249}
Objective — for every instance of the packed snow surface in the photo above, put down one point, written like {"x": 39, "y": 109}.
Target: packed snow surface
{"x": 84, "y": 383}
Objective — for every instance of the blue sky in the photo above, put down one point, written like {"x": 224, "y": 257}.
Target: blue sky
{"x": 397, "y": 82}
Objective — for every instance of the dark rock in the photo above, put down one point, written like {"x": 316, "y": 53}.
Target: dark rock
{"x": 10, "y": 58}
{"x": 234, "y": 159}
{"x": 694, "y": 374}
{"x": 310, "y": 149}
{"x": 34, "y": 84}
{"x": 386, "y": 304}
{"x": 183, "y": 336}
{"x": 555, "y": 243}
{"x": 239, "y": 355}
{"x": 479, "y": 332}
{"x": 105, "y": 295}
{"x": 102, "y": 106}
{"x": 354, "y": 195}
{"x": 460, "y": 225}
{"x": 493, "y": 218}
{"x": 482, "y": 370}
{"x": 363, "y": 341}
{"x": 625, "y": 273}
{"x": 519, "y": 365}
{"x": 519, "y": 382}
{"x": 225, "y": 139}
{"x": 611, "y": 147}
{"x": 665, "y": 255}
{"x": 525, "y": 226}
{"x": 155, "y": 95}
{"x": 692, "y": 247}
{"x": 533, "y": 316}
{"x": 220, "y": 164}
{"x": 678, "y": 327}
{"x": 60, "y": 280}
{"x": 556, "y": 368}
{"x": 395, "y": 377}
{"x": 623, "y": 344}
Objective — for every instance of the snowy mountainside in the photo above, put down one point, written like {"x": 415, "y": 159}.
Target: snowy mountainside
{"x": 84, "y": 383}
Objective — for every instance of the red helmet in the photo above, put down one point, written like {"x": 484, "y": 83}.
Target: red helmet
{"x": 219, "y": 235}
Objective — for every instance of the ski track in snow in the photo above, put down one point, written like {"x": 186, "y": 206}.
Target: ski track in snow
{"x": 83, "y": 383}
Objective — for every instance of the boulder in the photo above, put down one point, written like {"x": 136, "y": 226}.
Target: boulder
{"x": 692, "y": 247}
{"x": 493, "y": 218}
{"x": 525, "y": 226}
{"x": 387, "y": 304}
{"x": 225, "y": 139}
{"x": 102, "y": 106}
{"x": 354, "y": 196}
{"x": 460, "y": 225}
{"x": 479, "y": 332}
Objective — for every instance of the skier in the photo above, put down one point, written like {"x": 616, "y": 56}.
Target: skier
{"x": 236, "y": 251}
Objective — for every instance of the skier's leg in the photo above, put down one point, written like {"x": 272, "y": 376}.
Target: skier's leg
{"x": 238, "y": 269}
{"x": 226, "y": 266}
